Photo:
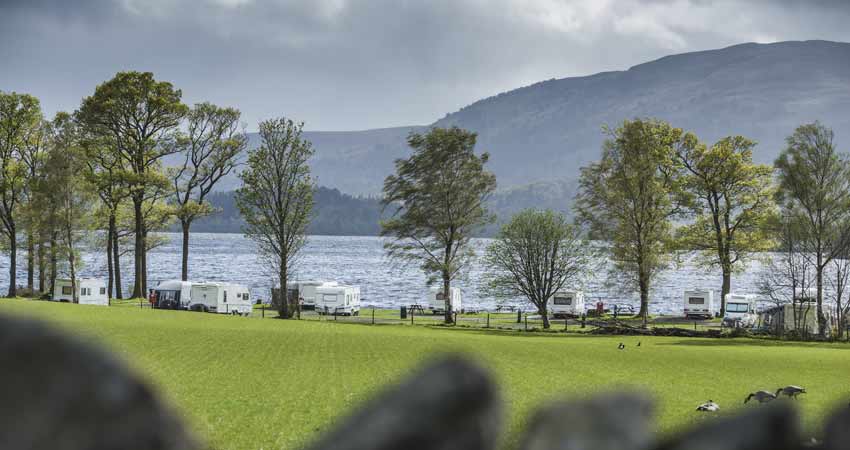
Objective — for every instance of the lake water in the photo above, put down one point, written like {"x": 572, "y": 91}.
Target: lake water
{"x": 361, "y": 261}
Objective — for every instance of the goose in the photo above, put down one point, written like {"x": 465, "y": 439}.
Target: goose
{"x": 638, "y": 344}
{"x": 761, "y": 396}
{"x": 709, "y": 406}
{"x": 621, "y": 346}
{"x": 791, "y": 391}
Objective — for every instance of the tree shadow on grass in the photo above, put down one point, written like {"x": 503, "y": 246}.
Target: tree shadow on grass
{"x": 754, "y": 342}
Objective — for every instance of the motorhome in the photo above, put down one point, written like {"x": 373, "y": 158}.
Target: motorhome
{"x": 338, "y": 300}
{"x": 172, "y": 294}
{"x": 699, "y": 303}
{"x": 567, "y": 304}
{"x": 90, "y": 291}
{"x": 305, "y": 291}
{"x": 222, "y": 298}
{"x": 740, "y": 310}
{"x": 437, "y": 301}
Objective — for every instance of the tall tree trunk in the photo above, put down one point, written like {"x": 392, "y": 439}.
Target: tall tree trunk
{"x": 544, "y": 313}
{"x": 72, "y": 266}
{"x": 30, "y": 262}
{"x": 13, "y": 262}
{"x": 184, "y": 272}
{"x": 283, "y": 310}
{"x": 42, "y": 268}
{"x": 53, "y": 262}
{"x": 643, "y": 284}
{"x": 145, "y": 263}
{"x": 726, "y": 288}
{"x": 116, "y": 260}
{"x": 139, "y": 248}
{"x": 110, "y": 275}
{"x": 821, "y": 317}
{"x": 447, "y": 289}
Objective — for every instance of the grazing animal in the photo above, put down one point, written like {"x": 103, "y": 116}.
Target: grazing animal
{"x": 709, "y": 406}
{"x": 621, "y": 346}
{"x": 791, "y": 391}
{"x": 638, "y": 344}
{"x": 761, "y": 396}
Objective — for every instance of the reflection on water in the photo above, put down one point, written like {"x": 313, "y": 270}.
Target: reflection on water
{"x": 361, "y": 261}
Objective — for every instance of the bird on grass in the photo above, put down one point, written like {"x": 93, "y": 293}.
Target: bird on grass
{"x": 791, "y": 391}
{"x": 621, "y": 346}
{"x": 761, "y": 396}
{"x": 638, "y": 344}
{"x": 709, "y": 406}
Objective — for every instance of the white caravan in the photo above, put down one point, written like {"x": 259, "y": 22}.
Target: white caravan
{"x": 172, "y": 294}
{"x": 699, "y": 303}
{"x": 338, "y": 300}
{"x": 222, "y": 298}
{"x": 306, "y": 291}
{"x": 437, "y": 301}
{"x": 740, "y": 310}
{"x": 90, "y": 291}
{"x": 567, "y": 304}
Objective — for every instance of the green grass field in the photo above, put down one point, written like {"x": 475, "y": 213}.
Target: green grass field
{"x": 247, "y": 383}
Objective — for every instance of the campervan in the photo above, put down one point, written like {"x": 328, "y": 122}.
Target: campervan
{"x": 90, "y": 291}
{"x": 699, "y": 303}
{"x": 437, "y": 301}
{"x": 338, "y": 300}
{"x": 567, "y": 304}
{"x": 305, "y": 291}
{"x": 222, "y": 298}
{"x": 740, "y": 310}
{"x": 172, "y": 294}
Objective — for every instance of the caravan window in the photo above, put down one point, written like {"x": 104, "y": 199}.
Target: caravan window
{"x": 563, "y": 300}
{"x": 103, "y": 291}
{"x": 245, "y": 296}
{"x": 696, "y": 301}
{"x": 225, "y": 296}
{"x": 440, "y": 296}
{"x": 85, "y": 291}
{"x": 329, "y": 298}
{"x": 737, "y": 307}
{"x": 66, "y": 290}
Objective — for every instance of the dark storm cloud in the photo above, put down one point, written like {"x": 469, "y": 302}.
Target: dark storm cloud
{"x": 343, "y": 64}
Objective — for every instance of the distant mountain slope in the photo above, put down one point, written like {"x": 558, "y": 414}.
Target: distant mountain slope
{"x": 548, "y": 130}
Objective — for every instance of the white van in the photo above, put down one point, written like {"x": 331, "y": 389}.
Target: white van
{"x": 338, "y": 300}
{"x": 699, "y": 304}
{"x": 567, "y": 304}
{"x": 305, "y": 291}
{"x": 437, "y": 301}
{"x": 90, "y": 291}
{"x": 172, "y": 294}
{"x": 222, "y": 298}
{"x": 740, "y": 310}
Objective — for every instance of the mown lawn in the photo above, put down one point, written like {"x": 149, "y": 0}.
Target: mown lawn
{"x": 246, "y": 383}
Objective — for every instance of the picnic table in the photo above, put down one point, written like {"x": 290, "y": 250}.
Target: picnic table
{"x": 416, "y": 307}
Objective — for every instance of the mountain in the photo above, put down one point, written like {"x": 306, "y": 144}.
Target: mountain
{"x": 545, "y": 132}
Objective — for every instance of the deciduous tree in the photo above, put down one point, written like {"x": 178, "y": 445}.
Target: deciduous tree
{"x": 731, "y": 201}
{"x": 276, "y": 199}
{"x": 814, "y": 189}
{"x": 534, "y": 256}
{"x": 437, "y": 198}
{"x": 629, "y": 197}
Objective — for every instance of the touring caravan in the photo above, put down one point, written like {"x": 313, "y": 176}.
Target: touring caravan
{"x": 172, "y": 294}
{"x": 90, "y": 291}
{"x": 437, "y": 301}
{"x": 699, "y": 303}
{"x": 305, "y": 291}
{"x": 740, "y": 310}
{"x": 567, "y": 304}
{"x": 338, "y": 300}
{"x": 800, "y": 317}
{"x": 222, "y": 298}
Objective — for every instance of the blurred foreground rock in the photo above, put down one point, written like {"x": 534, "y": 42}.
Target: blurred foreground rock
{"x": 58, "y": 393}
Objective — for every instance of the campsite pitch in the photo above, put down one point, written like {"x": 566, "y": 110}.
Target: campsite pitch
{"x": 251, "y": 383}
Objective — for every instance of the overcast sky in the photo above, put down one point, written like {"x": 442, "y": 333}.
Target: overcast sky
{"x": 357, "y": 64}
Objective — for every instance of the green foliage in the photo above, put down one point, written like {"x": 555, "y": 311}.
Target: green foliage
{"x": 534, "y": 256}
{"x": 437, "y": 198}
{"x": 276, "y": 197}
{"x": 730, "y": 199}
{"x": 630, "y": 195}
{"x": 814, "y": 193}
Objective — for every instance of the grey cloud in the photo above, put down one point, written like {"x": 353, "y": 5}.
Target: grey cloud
{"x": 346, "y": 64}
